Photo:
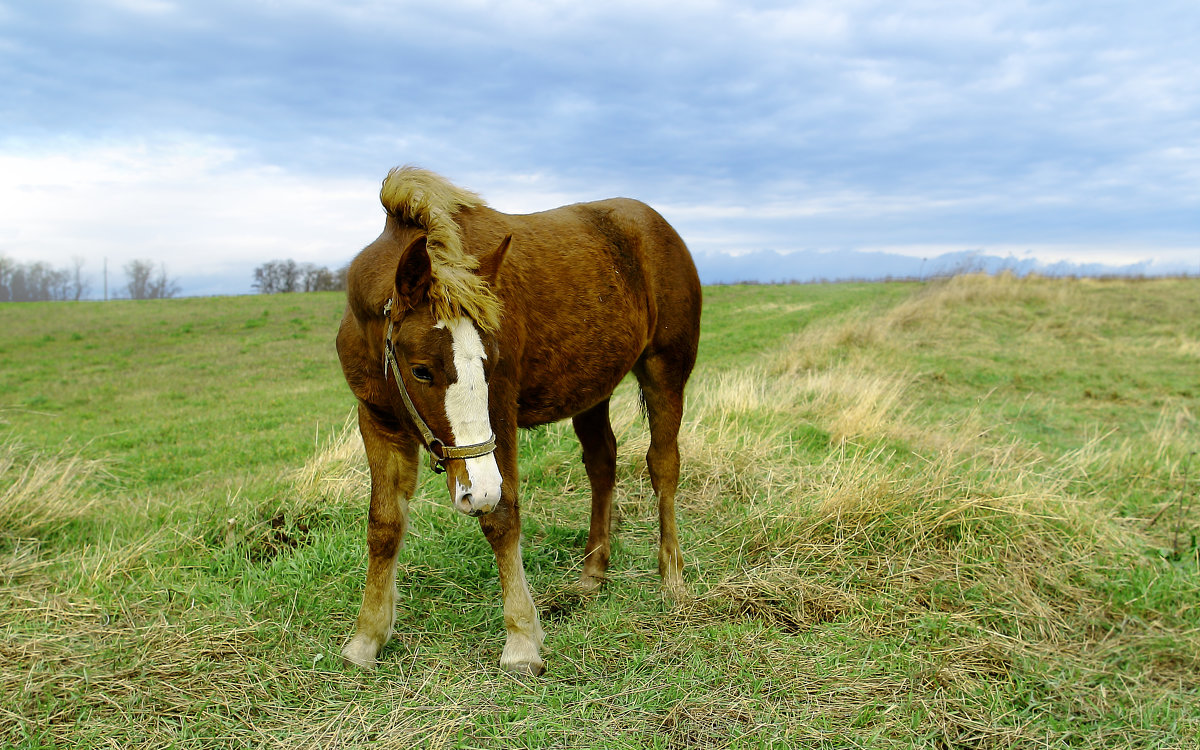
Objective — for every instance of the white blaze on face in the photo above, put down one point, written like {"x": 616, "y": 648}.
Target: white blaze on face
{"x": 467, "y": 412}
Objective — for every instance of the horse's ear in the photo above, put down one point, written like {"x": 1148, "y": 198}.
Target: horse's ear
{"x": 413, "y": 275}
{"x": 489, "y": 267}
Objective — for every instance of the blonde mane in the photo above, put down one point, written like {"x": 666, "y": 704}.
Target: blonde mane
{"x": 430, "y": 202}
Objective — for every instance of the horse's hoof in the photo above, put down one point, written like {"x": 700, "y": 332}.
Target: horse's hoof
{"x": 525, "y": 668}
{"x": 586, "y": 585}
{"x": 355, "y": 663}
{"x": 359, "y": 654}
{"x": 676, "y": 592}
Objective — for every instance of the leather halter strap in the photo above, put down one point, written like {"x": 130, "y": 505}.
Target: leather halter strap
{"x": 442, "y": 453}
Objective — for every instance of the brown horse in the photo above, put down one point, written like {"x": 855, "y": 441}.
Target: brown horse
{"x": 463, "y": 324}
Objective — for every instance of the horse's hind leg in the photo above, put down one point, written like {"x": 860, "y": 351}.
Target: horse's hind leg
{"x": 662, "y": 383}
{"x": 600, "y": 460}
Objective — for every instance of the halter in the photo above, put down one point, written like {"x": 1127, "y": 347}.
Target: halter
{"x": 439, "y": 451}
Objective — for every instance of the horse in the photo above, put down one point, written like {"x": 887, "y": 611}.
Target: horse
{"x": 463, "y": 324}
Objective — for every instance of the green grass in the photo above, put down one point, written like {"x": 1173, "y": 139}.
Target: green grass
{"x": 953, "y": 514}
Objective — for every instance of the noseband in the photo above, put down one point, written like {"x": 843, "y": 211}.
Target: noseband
{"x": 439, "y": 452}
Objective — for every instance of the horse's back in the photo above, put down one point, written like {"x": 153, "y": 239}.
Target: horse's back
{"x": 592, "y": 287}
{"x": 620, "y": 242}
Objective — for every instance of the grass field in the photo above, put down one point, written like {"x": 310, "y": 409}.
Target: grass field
{"x": 959, "y": 514}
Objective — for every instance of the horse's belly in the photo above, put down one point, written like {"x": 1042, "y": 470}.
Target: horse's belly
{"x": 560, "y": 385}
{"x": 584, "y": 329}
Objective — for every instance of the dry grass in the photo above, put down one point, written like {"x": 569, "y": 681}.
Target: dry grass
{"x": 337, "y": 471}
{"x": 928, "y": 309}
{"x": 849, "y": 401}
{"x": 155, "y": 690}
{"x": 1162, "y": 464}
{"x": 41, "y": 492}
{"x": 979, "y": 290}
{"x": 1189, "y": 348}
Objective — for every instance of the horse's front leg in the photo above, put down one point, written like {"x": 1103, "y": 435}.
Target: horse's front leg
{"x": 502, "y": 527}
{"x": 392, "y": 459}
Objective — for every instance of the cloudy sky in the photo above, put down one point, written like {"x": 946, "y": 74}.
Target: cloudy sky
{"x": 214, "y": 135}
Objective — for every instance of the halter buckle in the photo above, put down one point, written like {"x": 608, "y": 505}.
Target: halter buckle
{"x": 436, "y": 459}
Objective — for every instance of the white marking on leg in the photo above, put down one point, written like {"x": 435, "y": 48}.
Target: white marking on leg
{"x": 467, "y": 412}
{"x": 522, "y": 646}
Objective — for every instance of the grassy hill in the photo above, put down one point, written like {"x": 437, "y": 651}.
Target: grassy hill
{"x": 953, "y": 514}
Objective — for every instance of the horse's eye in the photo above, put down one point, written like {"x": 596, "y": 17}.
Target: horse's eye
{"x": 422, "y": 373}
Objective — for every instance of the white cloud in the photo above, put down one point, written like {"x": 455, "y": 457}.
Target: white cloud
{"x": 199, "y": 206}
{"x": 146, "y": 7}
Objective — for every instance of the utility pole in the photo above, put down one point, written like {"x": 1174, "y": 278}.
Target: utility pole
{"x": 106, "y": 278}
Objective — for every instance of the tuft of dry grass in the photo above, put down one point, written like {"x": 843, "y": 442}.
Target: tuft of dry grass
{"x": 929, "y": 308}
{"x": 337, "y": 470}
{"x": 980, "y": 289}
{"x": 1189, "y": 348}
{"x": 41, "y": 492}
{"x": 946, "y": 517}
{"x": 852, "y": 402}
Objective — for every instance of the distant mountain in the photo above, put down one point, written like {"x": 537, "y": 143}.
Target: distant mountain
{"x": 768, "y": 266}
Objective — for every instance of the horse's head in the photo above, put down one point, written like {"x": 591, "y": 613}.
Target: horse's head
{"x": 442, "y": 368}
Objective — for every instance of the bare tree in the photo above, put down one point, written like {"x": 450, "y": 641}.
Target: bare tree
{"x": 8, "y": 269}
{"x": 263, "y": 280}
{"x": 139, "y": 272}
{"x": 268, "y": 277}
{"x": 145, "y": 283}
{"x": 163, "y": 286}
{"x": 277, "y": 277}
{"x": 293, "y": 276}
{"x": 281, "y": 276}
{"x": 53, "y": 283}
{"x": 33, "y": 282}
{"x": 318, "y": 279}
{"x": 79, "y": 286}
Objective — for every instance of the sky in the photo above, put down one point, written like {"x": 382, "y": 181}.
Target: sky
{"x": 214, "y": 136}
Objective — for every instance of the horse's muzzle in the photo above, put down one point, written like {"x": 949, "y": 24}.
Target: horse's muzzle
{"x": 466, "y": 506}
{"x": 474, "y": 485}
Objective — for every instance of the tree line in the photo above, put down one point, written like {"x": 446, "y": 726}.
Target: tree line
{"x": 146, "y": 282}
{"x": 282, "y": 276}
{"x": 39, "y": 281}
{"x": 32, "y": 282}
